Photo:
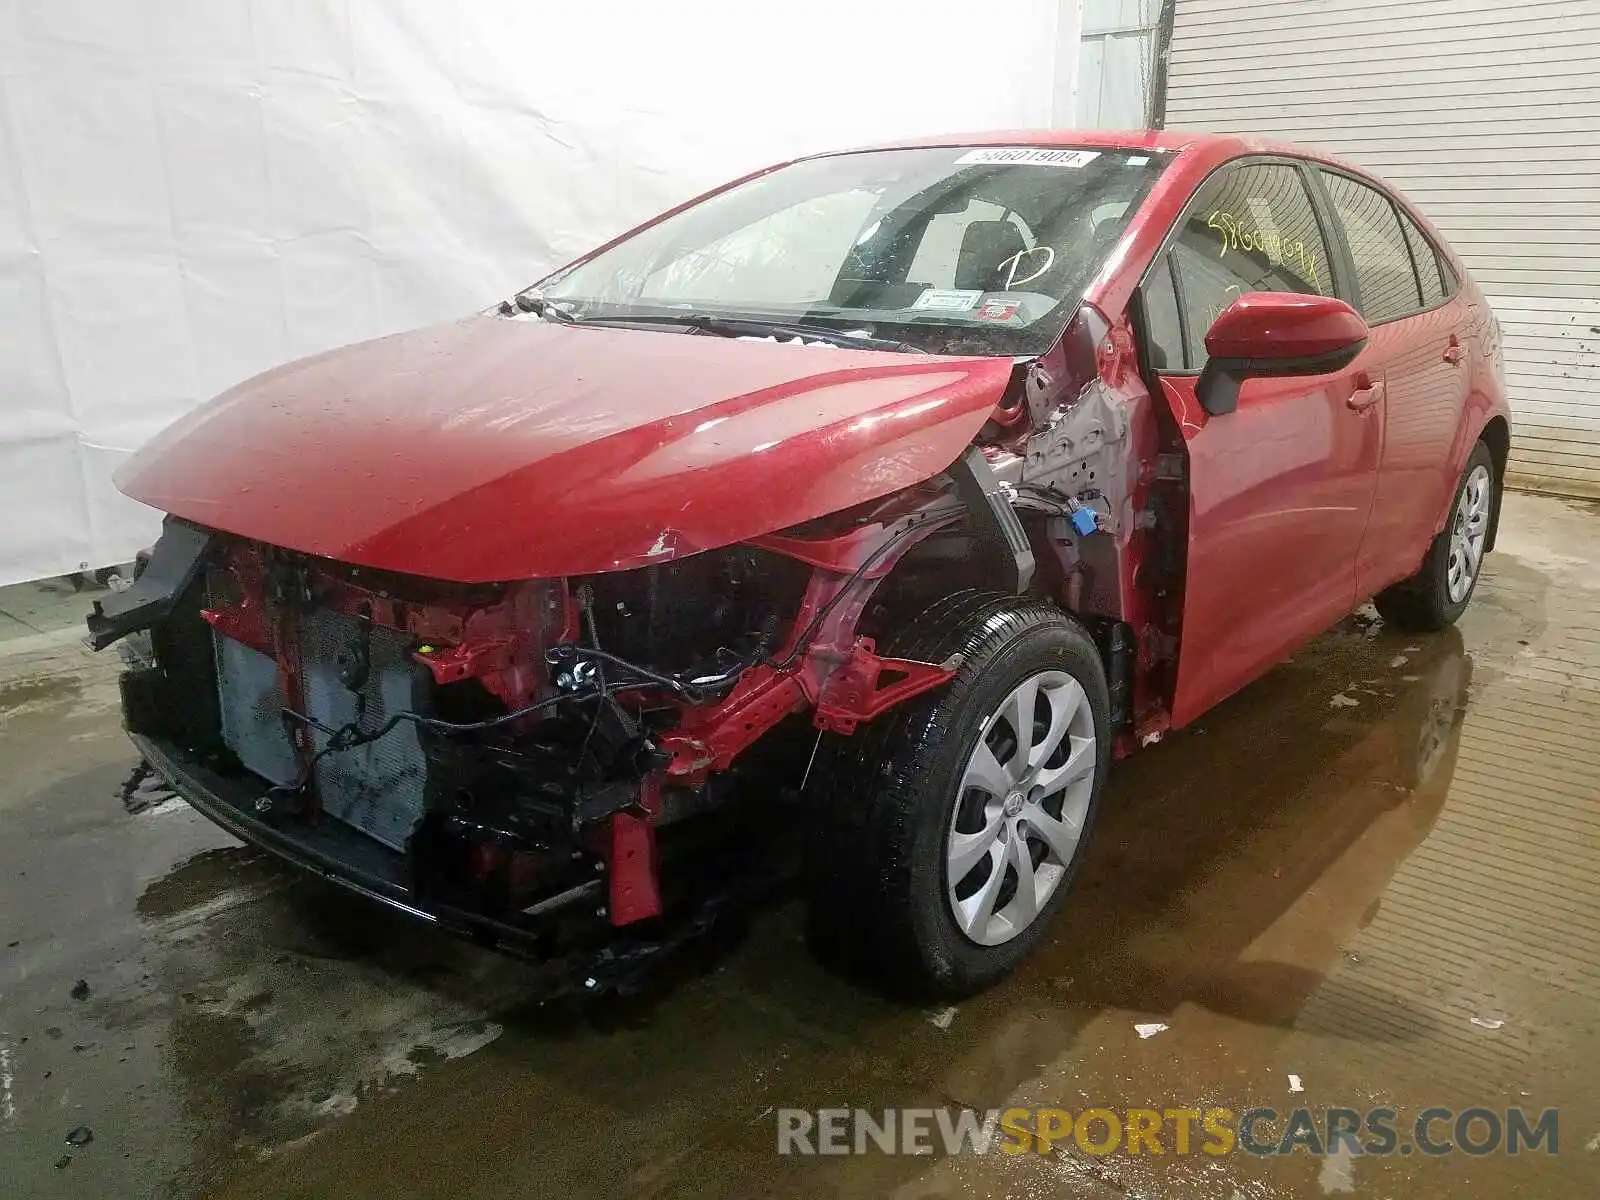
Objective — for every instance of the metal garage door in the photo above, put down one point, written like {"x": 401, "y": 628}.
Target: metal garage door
{"x": 1487, "y": 114}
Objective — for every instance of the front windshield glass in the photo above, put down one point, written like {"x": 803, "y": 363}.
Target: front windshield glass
{"x": 953, "y": 250}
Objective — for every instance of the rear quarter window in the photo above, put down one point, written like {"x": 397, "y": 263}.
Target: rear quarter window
{"x": 1385, "y": 275}
{"x": 1426, "y": 258}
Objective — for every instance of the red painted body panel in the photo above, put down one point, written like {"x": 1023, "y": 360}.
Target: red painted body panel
{"x": 496, "y": 448}
{"x": 1305, "y": 509}
{"x": 1280, "y": 491}
{"x": 499, "y": 449}
{"x": 1284, "y": 325}
{"x": 1423, "y": 413}
{"x": 514, "y": 449}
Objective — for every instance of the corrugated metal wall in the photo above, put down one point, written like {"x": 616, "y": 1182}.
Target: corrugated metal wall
{"x": 1115, "y": 63}
{"x": 1487, "y": 115}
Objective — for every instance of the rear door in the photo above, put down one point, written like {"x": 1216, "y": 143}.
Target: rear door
{"x": 1280, "y": 489}
{"x": 1418, "y": 327}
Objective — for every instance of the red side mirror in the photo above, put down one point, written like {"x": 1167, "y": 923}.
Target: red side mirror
{"x": 1276, "y": 333}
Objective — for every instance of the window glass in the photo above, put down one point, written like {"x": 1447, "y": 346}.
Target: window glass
{"x": 1163, "y": 331}
{"x": 1377, "y": 248}
{"x": 1427, "y": 263}
{"x": 792, "y": 252}
{"x": 1252, "y": 229}
{"x": 951, "y": 249}
{"x": 938, "y": 260}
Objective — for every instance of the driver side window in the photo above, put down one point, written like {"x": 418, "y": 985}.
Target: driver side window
{"x": 1252, "y": 228}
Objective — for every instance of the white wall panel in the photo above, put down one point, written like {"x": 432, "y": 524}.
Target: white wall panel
{"x": 1115, "y": 63}
{"x": 1486, "y": 115}
{"x": 192, "y": 191}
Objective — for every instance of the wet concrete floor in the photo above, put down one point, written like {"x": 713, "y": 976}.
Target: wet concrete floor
{"x": 1374, "y": 870}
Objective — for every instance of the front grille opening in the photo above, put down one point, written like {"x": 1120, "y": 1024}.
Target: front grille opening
{"x": 353, "y": 673}
{"x": 358, "y": 673}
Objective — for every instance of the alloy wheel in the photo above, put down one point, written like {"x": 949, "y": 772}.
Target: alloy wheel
{"x": 1469, "y": 527}
{"x": 1019, "y": 816}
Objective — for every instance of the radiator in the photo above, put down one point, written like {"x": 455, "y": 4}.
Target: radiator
{"x": 379, "y": 787}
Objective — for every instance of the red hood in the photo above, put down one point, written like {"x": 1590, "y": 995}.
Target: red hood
{"x": 496, "y": 448}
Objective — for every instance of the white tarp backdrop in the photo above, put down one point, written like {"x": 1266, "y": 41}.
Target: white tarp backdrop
{"x": 192, "y": 191}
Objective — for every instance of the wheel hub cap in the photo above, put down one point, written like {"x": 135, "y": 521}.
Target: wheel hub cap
{"x": 1469, "y": 528}
{"x": 1019, "y": 815}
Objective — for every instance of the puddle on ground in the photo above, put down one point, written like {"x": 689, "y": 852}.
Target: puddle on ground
{"x": 27, "y": 694}
{"x": 1243, "y": 888}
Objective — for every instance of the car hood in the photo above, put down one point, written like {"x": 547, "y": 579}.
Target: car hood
{"x": 506, "y": 448}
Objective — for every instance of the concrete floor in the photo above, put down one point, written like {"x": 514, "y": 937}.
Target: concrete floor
{"x": 1300, "y": 885}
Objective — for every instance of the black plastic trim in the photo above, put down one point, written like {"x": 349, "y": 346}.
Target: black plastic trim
{"x": 990, "y": 505}
{"x": 330, "y": 850}
{"x": 1220, "y": 378}
{"x": 172, "y": 567}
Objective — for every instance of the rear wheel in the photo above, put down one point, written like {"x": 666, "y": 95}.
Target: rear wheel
{"x": 945, "y": 837}
{"x": 1438, "y": 593}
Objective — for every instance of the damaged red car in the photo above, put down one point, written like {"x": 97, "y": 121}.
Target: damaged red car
{"x": 891, "y": 494}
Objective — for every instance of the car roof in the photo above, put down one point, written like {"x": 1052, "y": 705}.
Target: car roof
{"x": 1216, "y": 146}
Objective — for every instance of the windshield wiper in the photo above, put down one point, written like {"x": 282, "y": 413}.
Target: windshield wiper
{"x": 754, "y": 327}
{"x": 709, "y": 323}
{"x": 529, "y": 303}
{"x": 750, "y": 327}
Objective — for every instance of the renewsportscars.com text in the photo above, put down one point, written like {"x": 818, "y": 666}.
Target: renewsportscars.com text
{"x": 1214, "y": 1131}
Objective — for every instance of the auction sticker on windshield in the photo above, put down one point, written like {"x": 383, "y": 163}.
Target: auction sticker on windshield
{"x": 1031, "y": 156}
{"x": 998, "y": 310}
{"x": 949, "y": 299}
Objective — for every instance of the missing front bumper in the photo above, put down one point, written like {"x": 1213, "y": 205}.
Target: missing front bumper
{"x": 580, "y": 951}
{"x": 336, "y": 852}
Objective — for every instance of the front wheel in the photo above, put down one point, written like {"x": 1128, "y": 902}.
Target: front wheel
{"x": 940, "y": 846}
{"x": 1438, "y": 593}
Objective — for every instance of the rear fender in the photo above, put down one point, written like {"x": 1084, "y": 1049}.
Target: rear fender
{"x": 1479, "y": 410}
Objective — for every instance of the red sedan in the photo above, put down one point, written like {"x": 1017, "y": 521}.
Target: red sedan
{"x": 894, "y": 491}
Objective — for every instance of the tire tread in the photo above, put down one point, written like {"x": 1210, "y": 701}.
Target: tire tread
{"x": 869, "y": 799}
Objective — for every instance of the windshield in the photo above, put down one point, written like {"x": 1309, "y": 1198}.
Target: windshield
{"x": 953, "y": 250}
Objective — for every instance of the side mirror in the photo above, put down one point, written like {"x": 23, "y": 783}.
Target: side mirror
{"x": 1276, "y": 333}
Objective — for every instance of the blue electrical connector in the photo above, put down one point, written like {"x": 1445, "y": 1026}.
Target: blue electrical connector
{"x": 1085, "y": 520}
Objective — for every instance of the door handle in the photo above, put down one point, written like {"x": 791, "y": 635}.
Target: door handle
{"x": 1452, "y": 352}
{"x": 1367, "y": 393}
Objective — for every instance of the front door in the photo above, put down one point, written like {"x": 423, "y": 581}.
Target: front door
{"x": 1281, "y": 489}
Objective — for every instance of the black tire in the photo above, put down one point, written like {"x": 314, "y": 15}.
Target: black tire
{"x": 1422, "y": 603}
{"x": 882, "y": 803}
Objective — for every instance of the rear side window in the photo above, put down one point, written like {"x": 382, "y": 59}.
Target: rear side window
{"x": 1378, "y": 249}
{"x": 1431, "y": 271}
{"x": 1447, "y": 273}
{"x": 1426, "y": 258}
{"x": 1251, "y": 228}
